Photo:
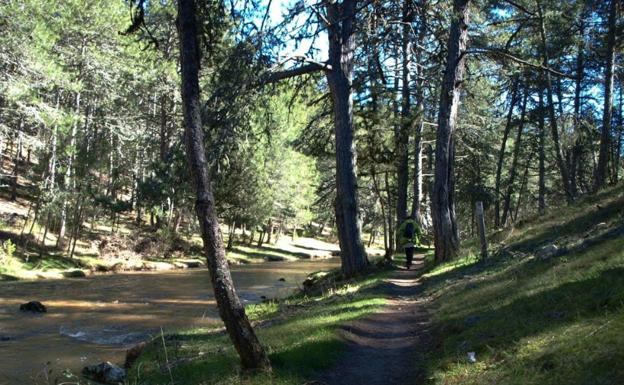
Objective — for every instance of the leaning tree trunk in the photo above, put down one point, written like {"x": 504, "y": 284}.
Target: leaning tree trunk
{"x": 231, "y": 310}
{"x": 446, "y": 236}
{"x": 340, "y": 78}
{"x": 501, "y": 153}
{"x": 605, "y": 137}
{"x": 514, "y": 163}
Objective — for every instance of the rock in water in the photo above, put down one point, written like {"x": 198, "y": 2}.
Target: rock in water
{"x": 105, "y": 372}
{"x": 74, "y": 274}
{"x": 33, "y": 306}
{"x": 133, "y": 354}
{"x": 192, "y": 264}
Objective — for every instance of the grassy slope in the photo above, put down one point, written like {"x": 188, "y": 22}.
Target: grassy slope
{"x": 533, "y": 321}
{"x": 300, "y": 336}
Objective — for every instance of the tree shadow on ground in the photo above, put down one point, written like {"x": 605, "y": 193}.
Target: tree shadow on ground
{"x": 501, "y": 327}
{"x": 573, "y": 227}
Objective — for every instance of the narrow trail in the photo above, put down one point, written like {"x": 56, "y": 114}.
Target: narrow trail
{"x": 387, "y": 347}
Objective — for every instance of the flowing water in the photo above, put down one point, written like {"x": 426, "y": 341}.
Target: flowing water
{"x": 94, "y": 319}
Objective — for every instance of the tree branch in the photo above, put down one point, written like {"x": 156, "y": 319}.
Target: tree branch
{"x": 520, "y": 7}
{"x": 276, "y": 76}
{"x": 507, "y": 55}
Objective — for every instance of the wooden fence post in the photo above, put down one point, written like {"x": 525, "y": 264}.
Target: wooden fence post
{"x": 481, "y": 228}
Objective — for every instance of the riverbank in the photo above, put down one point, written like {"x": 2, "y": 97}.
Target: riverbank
{"x": 29, "y": 252}
{"x": 119, "y": 255}
{"x": 301, "y": 334}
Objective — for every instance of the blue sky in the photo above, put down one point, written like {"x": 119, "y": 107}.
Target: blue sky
{"x": 276, "y": 15}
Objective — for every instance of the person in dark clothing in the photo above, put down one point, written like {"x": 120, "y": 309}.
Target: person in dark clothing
{"x": 410, "y": 234}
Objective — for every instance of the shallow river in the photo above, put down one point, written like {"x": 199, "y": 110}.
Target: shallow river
{"x": 96, "y": 318}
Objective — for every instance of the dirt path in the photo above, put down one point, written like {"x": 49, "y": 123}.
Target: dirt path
{"x": 386, "y": 347}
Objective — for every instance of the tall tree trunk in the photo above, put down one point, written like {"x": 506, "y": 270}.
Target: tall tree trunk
{"x": 164, "y": 130}
{"x": 514, "y": 162}
{"x": 383, "y": 211}
{"x": 501, "y": 153}
{"x": 577, "y": 150}
{"x": 17, "y": 159}
{"x": 523, "y": 183}
{"x": 390, "y": 219}
{"x": 231, "y": 310}
{"x": 607, "y": 114}
{"x": 420, "y": 111}
{"x": 618, "y": 147}
{"x": 112, "y": 174}
{"x": 551, "y": 108}
{"x": 541, "y": 199}
{"x": 340, "y": 77}
{"x": 446, "y": 235}
{"x": 69, "y": 174}
{"x": 231, "y": 236}
{"x": 402, "y": 137}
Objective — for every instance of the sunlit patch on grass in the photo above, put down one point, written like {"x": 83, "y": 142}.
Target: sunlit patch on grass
{"x": 300, "y": 336}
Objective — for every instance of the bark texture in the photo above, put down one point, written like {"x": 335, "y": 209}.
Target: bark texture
{"x": 420, "y": 114}
{"x": 402, "y": 137}
{"x": 501, "y": 153}
{"x": 231, "y": 310}
{"x": 541, "y": 200}
{"x": 340, "y": 31}
{"x": 446, "y": 235}
{"x": 514, "y": 163}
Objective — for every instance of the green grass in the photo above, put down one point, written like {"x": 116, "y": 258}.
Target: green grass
{"x": 533, "y": 321}
{"x": 301, "y": 338}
